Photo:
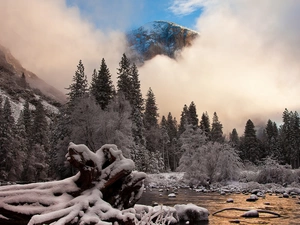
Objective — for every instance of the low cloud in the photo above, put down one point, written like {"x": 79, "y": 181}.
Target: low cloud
{"x": 49, "y": 38}
{"x": 244, "y": 66}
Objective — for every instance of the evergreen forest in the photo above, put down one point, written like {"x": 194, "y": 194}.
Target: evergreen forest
{"x": 33, "y": 148}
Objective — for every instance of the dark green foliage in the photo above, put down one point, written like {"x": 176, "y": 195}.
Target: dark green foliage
{"x": 249, "y": 148}
{"x": 205, "y": 124}
{"x": 183, "y": 120}
{"x": 40, "y": 131}
{"x": 169, "y": 139}
{"x": 27, "y": 120}
{"x": 124, "y": 81}
{"x": 151, "y": 114}
{"x": 290, "y": 139}
{"x": 7, "y": 126}
{"x": 136, "y": 99}
{"x": 234, "y": 138}
{"x": 79, "y": 87}
{"x": 23, "y": 82}
{"x": 192, "y": 115}
{"x": 101, "y": 86}
{"x": 216, "y": 134}
{"x": 171, "y": 125}
{"x": 137, "y": 104}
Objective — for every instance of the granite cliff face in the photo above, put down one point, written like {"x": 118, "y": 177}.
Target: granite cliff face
{"x": 159, "y": 38}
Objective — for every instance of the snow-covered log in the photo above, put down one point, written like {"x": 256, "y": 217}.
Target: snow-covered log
{"x": 99, "y": 193}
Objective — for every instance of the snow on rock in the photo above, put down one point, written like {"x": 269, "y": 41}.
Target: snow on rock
{"x": 252, "y": 198}
{"x": 18, "y": 106}
{"x": 172, "y": 195}
{"x": 173, "y": 179}
{"x": 251, "y": 213}
{"x": 191, "y": 212}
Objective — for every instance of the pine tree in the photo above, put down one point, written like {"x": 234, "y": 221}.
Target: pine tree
{"x": 23, "y": 82}
{"x": 21, "y": 146}
{"x": 272, "y": 143}
{"x": 183, "y": 120}
{"x": 234, "y": 138}
{"x": 124, "y": 80}
{"x": 136, "y": 99}
{"x": 165, "y": 139}
{"x": 152, "y": 132}
{"x": 7, "y": 131}
{"x": 101, "y": 86}
{"x": 137, "y": 103}
{"x": 290, "y": 138}
{"x": 150, "y": 114}
{"x": 171, "y": 126}
{"x": 205, "y": 124}
{"x": 79, "y": 87}
{"x": 40, "y": 126}
{"x": 249, "y": 144}
{"x": 27, "y": 120}
{"x": 192, "y": 115}
{"x": 216, "y": 134}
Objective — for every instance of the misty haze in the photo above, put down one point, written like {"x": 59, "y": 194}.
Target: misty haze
{"x": 149, "y": 112}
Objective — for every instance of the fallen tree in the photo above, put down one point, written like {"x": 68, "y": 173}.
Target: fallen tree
{"x": 105, "y": 186}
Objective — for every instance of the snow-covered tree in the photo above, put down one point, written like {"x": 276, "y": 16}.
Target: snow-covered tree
{"x": 203, "y": 161}
{"x": 40, "y": 129}
{"x": 115, "y": 125}
{"x": 7, "y": 136}
{"x": 191, "y": 140}
{"x": 165, "y": 142}
{"x": 28, "y": 123}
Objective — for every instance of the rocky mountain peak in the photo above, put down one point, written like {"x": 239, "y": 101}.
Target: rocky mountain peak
{"x": 159, "y": 38}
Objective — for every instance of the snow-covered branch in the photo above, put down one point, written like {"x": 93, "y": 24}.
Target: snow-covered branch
{"x": 98, "y": 194}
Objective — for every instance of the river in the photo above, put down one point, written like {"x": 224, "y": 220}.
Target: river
{"x": 288, "y": 208}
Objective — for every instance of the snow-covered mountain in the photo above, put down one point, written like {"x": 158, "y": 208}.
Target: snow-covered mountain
{"x": 11, "y": 86}
{"x": 159, "y": 38}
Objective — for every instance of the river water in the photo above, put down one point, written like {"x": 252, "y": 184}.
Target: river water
{"x": 288, "y": 208}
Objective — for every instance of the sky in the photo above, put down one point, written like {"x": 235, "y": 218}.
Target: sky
{"x": 245, "y": 65}
{"x": 134, "y": 13}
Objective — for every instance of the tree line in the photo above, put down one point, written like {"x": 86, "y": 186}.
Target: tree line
{"x": 33, "y": 147}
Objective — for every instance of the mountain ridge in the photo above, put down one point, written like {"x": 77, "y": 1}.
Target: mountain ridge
{"x": 159, "y": 38}
{"x": 32, "y": 89}
{"x": 13, "y": 69}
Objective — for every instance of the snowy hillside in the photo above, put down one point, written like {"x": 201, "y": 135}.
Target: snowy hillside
{"x": 159, "y": 37}
{"x": 20, "y": 85}
{"x": 18, "y": 105}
